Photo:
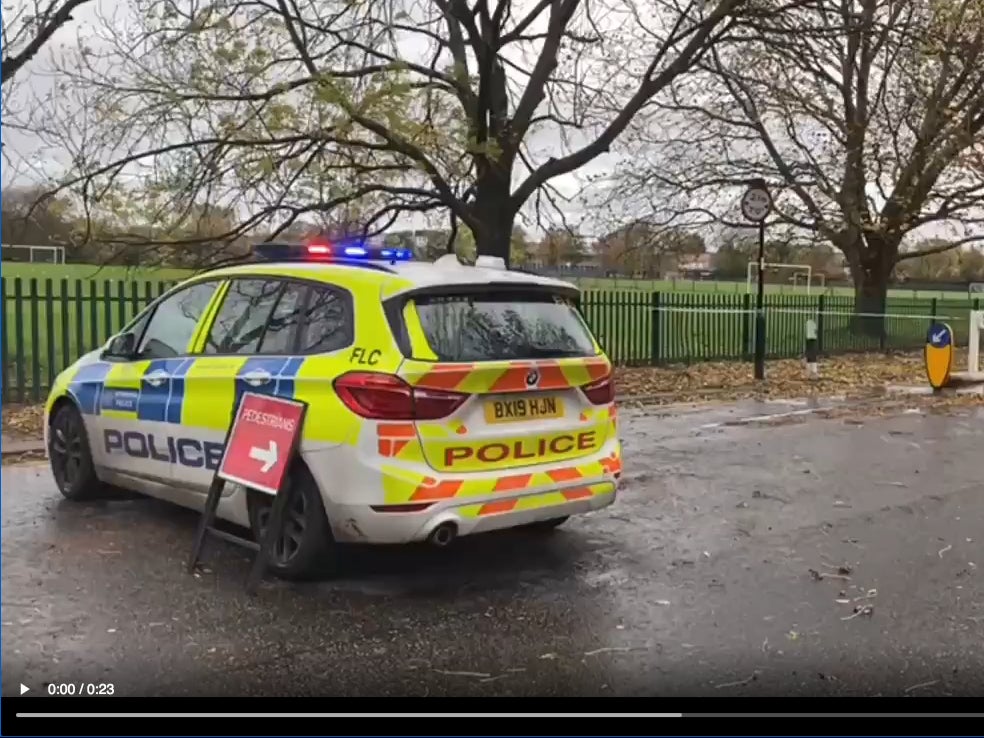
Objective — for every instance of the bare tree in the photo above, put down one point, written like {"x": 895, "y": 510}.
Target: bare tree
{"x": 649, "y": 248}
{"x": 865, "y": 116}
{"x": 28, "y": 27}
{"x": 283, "y": 108}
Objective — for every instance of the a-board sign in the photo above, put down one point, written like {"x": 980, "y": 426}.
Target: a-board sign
{"x": 939, "y": 354}
{"x": 261, "y": 442}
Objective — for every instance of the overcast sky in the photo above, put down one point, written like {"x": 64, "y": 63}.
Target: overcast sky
{"x": 30, "y": 161}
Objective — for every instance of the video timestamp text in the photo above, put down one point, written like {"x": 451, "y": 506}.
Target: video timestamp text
{"x": 80, "y": 689}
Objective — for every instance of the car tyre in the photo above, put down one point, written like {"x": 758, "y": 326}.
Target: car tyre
{"x": 546, "y": 526}
{"x": 70, "y": 457}
{"x": 306, "y": 548}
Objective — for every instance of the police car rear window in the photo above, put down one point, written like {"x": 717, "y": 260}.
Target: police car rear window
{"x": 507, "y": 325}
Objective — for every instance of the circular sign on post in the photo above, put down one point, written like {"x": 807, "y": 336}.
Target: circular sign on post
{"x": 939, "y": 354}
{"x": 756, "y": 204}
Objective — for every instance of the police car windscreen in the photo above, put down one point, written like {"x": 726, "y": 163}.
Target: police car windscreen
{"x": 503, "y": 325}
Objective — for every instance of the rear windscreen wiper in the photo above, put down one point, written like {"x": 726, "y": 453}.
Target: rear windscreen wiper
{"x": 543, "y": 352}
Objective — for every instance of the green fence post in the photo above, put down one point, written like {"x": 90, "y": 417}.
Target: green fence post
{"x": 654, "y": 338}
{"x": 79, "y": 319}
{"x": 821, "y": 307}
{"x": 93, "y": 315}
{"x": 35, "y": 299}
{"x": 746, "y": 325}
{"x": 19, "y": 338}
{"x": 107, "y": 300}
{"x": 49, "y": 324}
{"x": 120, "y": 306}
{"x": 4, "y": 375}
{"x": 65, "y": 329}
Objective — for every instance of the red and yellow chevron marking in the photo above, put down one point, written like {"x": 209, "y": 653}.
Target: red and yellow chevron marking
{"x": 504, "y": 377}
{"x": 513, "y": 483}
{"x": 394, "y": 437}
{"x": 565, "y": 474}
{"x": 430, "y": 489}
{"x": 532, "y": 502}
{"x": 612, "y": 464}
{"x": 399, "y": 440}
{"x": 403, "y": 486}
{"x": 499, "y": 506}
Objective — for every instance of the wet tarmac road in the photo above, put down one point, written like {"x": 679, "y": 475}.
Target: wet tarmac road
{"x": 696, "y": 582}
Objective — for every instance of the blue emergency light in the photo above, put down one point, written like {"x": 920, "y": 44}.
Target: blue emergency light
{"x": 328, "y": 252}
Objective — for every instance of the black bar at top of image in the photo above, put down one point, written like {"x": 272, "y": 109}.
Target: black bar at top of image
{"x": 474, "y": 716}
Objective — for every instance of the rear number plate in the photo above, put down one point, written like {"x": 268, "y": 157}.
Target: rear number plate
{"x": 527, "y": 408}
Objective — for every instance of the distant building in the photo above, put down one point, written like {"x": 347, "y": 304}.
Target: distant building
{"x": 697, "y": 268}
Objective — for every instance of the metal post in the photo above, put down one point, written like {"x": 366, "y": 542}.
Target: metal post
{"x": 974, "y": 342}
{"x": 760, "y": 308}
{"x": 812, "y": 350}
{"x": 756, "y": 204}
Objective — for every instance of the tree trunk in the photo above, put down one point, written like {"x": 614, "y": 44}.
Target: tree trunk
{"x": 495, "y": 214}
{"x": 493, "y": 237}
{"x": 871, "y": 294}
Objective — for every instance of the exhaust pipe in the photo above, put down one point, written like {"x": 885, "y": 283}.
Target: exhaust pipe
{"x": 443, "y": 534}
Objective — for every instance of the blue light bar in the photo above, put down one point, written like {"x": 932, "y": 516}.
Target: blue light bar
{"x": 328, "y": 252}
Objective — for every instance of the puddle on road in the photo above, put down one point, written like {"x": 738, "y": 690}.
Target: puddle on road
{"x": 650, "y": 425}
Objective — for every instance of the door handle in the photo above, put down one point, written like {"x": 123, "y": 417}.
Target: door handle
{"x": 257, "y": 377}
{"x": 157, "y": 378}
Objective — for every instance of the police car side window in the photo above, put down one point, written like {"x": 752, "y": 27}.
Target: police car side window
{"x": 328, "y": 321}
{"x": 282, "y": 326}
{"x": 242, "y": 319}
{"x": 174, "y": 321}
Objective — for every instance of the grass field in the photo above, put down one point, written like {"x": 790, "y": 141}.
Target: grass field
{"x": 53, "y": 313}
{"x": 740, "y": 288}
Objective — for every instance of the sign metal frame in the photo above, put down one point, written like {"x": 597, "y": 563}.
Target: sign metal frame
{"x": 282, "y": 495}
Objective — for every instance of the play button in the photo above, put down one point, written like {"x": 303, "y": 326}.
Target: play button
{"x": 25, "y": 689}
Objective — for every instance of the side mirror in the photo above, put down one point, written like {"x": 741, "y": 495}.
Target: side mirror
{"x": 124, "y": 345}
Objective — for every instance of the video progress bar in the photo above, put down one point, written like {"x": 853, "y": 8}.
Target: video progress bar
{"x": 341, "y": 714}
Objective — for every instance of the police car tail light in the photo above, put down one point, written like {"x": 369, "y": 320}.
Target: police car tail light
{"x": 435, "y": 404}
{"x": 600, "y": 392}
{"x": 387, "y": 397}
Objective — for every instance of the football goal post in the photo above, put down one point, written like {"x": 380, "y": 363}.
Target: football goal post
{"x": 772, "y": 270}
{"x": 38, "y": 254}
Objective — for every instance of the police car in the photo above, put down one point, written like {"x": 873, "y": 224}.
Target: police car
{"x": 443, "y": 399}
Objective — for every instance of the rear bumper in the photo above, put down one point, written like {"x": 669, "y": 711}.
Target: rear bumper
{"x": 363, "y": 524}
{"x": 370, "y": 497}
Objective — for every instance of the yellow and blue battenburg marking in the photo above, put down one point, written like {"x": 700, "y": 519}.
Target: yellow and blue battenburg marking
{"x": 119, "y": 400}
{"x": 268, "y": 375}
{"x": 162, "y": 390}
{"x": 87, "y": 384}
{"x": 939, "y": 354}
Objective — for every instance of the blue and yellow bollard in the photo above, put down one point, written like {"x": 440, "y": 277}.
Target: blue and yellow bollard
{"x": 939, "y": 355}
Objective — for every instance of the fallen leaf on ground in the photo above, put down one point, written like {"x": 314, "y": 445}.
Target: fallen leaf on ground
{"x": 23, "y": 422}
{"x": 851, "y": 375}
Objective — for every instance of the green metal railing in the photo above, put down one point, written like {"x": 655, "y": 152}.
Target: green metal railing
{"x": 659, "y": 328}
{"x": 47, "y": 324}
